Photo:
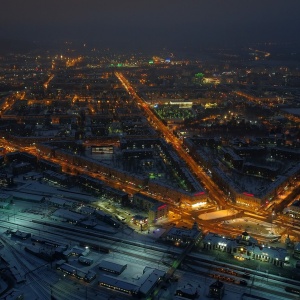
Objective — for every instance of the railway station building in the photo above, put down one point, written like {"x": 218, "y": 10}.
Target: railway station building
{"x": 182, "y": 236}
{"x": 245, "y": 247}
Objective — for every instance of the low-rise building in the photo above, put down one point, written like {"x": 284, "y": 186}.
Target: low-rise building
{"x": 65, "y": 215}
{"x": 156, "y": 209}
{"x": 119, "y": 285}
{"x": 85, "y": 260}
{"x": 245, "y": 247}
{"x": 187, "y": 292}
{"x": 142, "y": 288}
{"x": 77, "y": 251}
{"x": 216, "y": 290}
{"x": 76, "y": 272}
{"x": 182, "y": 236}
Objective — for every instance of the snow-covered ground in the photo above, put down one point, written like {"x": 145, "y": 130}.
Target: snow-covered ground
{"x": 43, "y": 281}
{"x": 217, "y": 214}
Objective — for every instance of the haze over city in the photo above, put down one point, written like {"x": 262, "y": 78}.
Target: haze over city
{"x": 142, "y": 24}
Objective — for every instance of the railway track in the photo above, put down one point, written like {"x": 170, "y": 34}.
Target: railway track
{"x": 154, "y": 254}
{"x": 39, "y": 286}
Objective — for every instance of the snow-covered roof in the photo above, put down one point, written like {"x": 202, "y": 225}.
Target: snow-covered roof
{"x": 214, "y": 239}
{"x": 58, "y": 201}
{"x": 119, "y": 283}
{"x": 181, "y": 232}
{"x": 87, "y": 210}
{"x": 105, "y": 228}
{"x": 276, "y": 253}
{"x": 80, "y": 251}
{"x": 149, "y": 279}
{"x": 188, "y": 290}
{"x": 26, "y": 196}
{"x": 112, "y": 266}
{"x": 67, "y": 214}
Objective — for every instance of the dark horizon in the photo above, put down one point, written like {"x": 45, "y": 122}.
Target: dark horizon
{"x": 157, "y": 24}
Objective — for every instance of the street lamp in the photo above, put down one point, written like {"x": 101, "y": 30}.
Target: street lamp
{"x": 141, "y": 224}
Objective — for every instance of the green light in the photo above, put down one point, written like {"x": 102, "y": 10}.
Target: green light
{"x": 199, "y": 75}
{"x": 175, "y": 264}
{"x": 119, "y": 64}
{"x": 151, "y": 62}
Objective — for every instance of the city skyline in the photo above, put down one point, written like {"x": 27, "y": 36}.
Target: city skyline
{"x": 142, "y": 25}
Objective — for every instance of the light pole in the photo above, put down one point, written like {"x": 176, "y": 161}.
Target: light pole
{"x": 272, "y": 216}
{"x": 141, "y": 224}
{"x": 14, "y": 206}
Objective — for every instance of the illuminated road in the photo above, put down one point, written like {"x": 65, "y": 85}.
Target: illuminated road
{"x": 271, "y": 102}
{"x": 215, "y": 193}
{"x": 182, "y": 218}
{"x": 10, "y": 101}
{"x": 74, "y": 170}
{"x": 46, "y": 84}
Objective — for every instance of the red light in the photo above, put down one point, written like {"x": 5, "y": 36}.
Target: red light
{"x": 247, "y": 194}
{"x": 199, "y": 194}
{"x": 162, "y": 207}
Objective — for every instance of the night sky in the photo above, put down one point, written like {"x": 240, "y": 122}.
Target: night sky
{"x": 141, "y": 23}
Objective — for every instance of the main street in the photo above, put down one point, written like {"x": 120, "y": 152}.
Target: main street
{"x": 215, "y": 194}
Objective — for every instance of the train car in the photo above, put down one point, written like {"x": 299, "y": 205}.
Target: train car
{"x": 292, "y": 290}
{"x": 43, "y": 241}
{"x": 20, "y": 235}
{"x": 43, "y": 255}
{"x": 35, "y": 238}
